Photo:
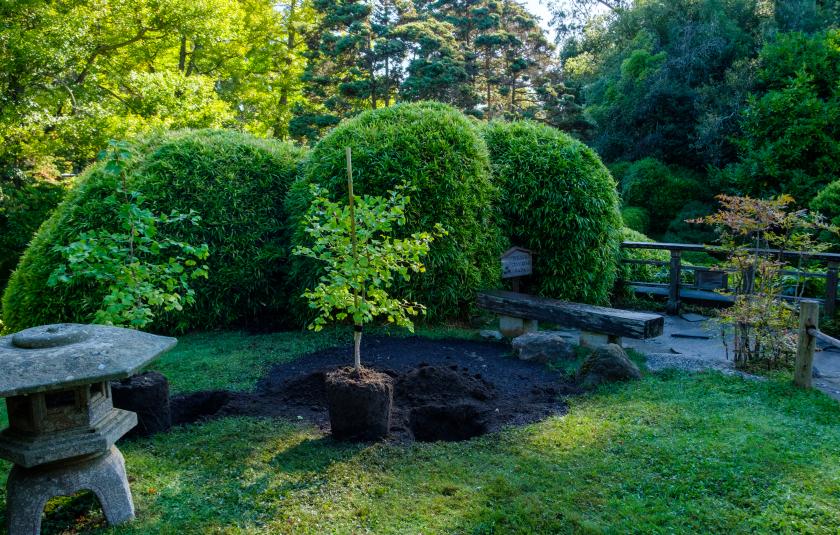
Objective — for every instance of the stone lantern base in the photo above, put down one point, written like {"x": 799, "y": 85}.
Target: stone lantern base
{"x": 28, "y": 489}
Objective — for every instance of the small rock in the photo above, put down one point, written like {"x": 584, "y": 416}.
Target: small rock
{"x": 693, "y": 317}
{"x": 607, "y": 364}
{"x": 543, "y": 346}
{"x": 491, "y": 335}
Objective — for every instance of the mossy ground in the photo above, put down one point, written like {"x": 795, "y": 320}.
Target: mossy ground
{"x": 672, "y": 453}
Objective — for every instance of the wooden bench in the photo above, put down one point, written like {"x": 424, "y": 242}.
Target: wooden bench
{"x": 521, "y": 312}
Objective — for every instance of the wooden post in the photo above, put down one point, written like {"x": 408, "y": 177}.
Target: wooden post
{"x": 809, "y": 313}
{"x": 831, "y": 290}
{"x": 673, "y": 307}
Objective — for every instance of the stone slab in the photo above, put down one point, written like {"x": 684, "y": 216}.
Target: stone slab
{"x": 65, "y": 355}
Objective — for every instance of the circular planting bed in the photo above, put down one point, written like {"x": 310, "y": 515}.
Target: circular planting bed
{"x": 443, "y": 389}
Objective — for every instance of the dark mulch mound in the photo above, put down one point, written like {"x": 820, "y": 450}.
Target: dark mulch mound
{"x": 444, "y": 389}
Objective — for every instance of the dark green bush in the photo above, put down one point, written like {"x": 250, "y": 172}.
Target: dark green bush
{"x": 659, "y": 189}
{"x": 635, "y": 218}
{"x": 439, "y": 153}
{"x": 25, "y": 203}
{"x": 235, "y": 182}
{"x": 827, "y": 202}
{"x": 559, "y": 200}
{"x": 681, "y": 231}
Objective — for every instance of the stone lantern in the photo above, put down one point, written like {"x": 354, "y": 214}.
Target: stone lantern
{"x": 62, "y": 422}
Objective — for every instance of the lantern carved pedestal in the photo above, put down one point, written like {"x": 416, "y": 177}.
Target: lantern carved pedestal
{"x": 62, "y": 421}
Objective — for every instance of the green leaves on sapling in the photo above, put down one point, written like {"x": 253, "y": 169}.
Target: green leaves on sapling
{"x": 380, "y": 258}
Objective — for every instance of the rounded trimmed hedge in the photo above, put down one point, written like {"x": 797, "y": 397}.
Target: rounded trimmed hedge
{"x": 560, "y": 201}
{"x": 437, "y": 151}
{"x": 237, "y": 184}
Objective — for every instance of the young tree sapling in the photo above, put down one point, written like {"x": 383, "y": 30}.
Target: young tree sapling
{"x": 362, "y": 258}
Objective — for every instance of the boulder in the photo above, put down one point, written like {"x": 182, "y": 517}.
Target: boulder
{"x": 543, "y": 346}
{"x": 490, "y": 334}
{"x": 605, "y": 365}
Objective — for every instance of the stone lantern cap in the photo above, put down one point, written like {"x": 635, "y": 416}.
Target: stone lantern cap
{"x": 66, "y": 355}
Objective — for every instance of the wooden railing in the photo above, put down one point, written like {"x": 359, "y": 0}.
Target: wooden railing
{"x": 676, "y": 291}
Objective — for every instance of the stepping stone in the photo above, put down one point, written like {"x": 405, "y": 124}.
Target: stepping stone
{"x": 693, "y": 318}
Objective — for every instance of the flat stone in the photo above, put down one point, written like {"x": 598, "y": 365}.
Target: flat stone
{"x": 607, "y": 364}
{"x": 694, "y": 318}
{"x": 543, "y": 346}
{"x": 55, "y": 357}
{"x": 596, "y": 340}
{"x": 513, "y": 327}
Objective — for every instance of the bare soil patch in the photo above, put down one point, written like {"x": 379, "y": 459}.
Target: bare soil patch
{"x": 443, "y": 389}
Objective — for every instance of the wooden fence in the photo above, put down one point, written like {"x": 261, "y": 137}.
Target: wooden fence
{"x": 702, "y": 291}
{"x": 809, "y": 333}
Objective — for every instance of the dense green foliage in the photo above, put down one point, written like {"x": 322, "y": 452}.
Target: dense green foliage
{"x": 235, "y": 183}
{"x": 635, "y": 218}
{"x": 24, "y": 204}
{"x": 659, "y": 189}
{"x": 143, "y": 272}
{"x": 559, "y": 200}
{"x": 827, "y": 202}
{"x": 440, "y": 156}
{"x": 743, "y": 91}
{"x": 790, "y": 140}
{"x": 660, "y": 437}
{"x": 362, "y": 259}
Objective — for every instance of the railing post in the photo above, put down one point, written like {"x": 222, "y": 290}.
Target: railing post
{"x": 673, "y": 307}
{"x": 831, "y": 290}
{"x": 809, "y": 313}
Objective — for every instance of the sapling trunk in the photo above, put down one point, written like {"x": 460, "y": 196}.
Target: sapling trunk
{"x": 357, "y": 334}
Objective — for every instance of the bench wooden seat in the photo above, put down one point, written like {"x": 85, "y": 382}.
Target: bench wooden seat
{"x": 611, "y": 322}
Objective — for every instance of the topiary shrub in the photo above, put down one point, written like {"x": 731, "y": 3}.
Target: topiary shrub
{"x": 559, "y": 200}
{"x": 439, "y": 154}
{"x": 635, "y": 218}
{"x": 234, "y": 181}
{"x": 659, "y": 189}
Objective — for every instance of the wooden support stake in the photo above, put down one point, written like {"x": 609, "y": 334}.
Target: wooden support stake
{"x": 809, "y": 313}
{"x": 673, "y": 307}
{"x": 831, "y": 290}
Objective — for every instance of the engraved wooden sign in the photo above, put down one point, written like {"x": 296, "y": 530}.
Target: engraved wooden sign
{"x": 516, "y": 262}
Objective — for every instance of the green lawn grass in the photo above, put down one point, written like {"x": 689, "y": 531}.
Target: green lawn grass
{"x": 672, "y": 453}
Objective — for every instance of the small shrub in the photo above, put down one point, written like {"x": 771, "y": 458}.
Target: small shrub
{"x": 437, "y": 152}
{"x": 659, "y": 189}
{"x": 559, "y": 200}
{"x": 235, "y": 181}
{"x": 635, "y": 218}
